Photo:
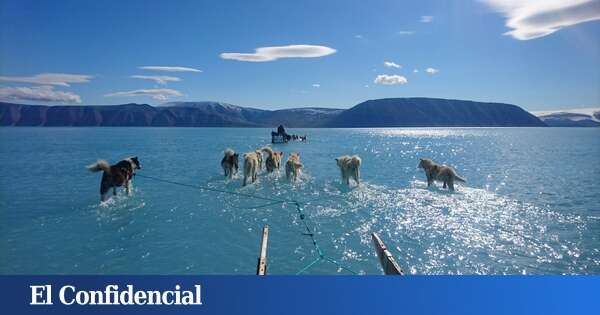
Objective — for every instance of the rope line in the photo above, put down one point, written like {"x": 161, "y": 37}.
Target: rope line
{"x": 212, "y": 189}
{"x": 272, "y": 201}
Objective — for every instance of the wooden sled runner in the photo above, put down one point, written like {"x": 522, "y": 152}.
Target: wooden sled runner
{"x": 261, "y": 268}
{"x": 387, "y": 261}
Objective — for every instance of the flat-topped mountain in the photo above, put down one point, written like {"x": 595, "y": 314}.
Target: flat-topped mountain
{"x": 419, "y": 112}
{"x": 391, "y": 112}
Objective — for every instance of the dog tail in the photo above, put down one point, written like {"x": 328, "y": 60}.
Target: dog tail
{"x": 268, "y": 150}
{"x": 228, "y": 152}
{"x": 460, "y": 179}
{"x": 101, "y": 165}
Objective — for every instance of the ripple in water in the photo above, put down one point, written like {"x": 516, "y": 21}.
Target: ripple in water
{"x": 430, "y": 230}
{"x": 507, "y": 219}
{"x": 471, "y": 231}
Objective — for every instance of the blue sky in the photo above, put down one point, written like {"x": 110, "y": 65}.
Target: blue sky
{"x": 536, "y": 54}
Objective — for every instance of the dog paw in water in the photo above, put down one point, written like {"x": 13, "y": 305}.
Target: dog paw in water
{"x": 107, "y": 203}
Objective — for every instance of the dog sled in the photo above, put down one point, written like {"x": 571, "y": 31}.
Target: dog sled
{"x": 387, "y": 261}
{"x": 278, "y": 138}
{"x": 281, "y": 136}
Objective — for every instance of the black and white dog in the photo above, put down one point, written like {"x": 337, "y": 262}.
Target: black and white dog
{"x": 116, "y": 175}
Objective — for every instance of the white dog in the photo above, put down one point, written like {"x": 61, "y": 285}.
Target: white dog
{"x": 250, "y": 167}
{"x": 350, "y": 167}
{"x": 293, "y": 166}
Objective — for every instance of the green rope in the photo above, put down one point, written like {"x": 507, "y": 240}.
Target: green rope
{"x": 309, "y": 232}
{"x": 321, "y": 199}
{"x": 211, "y": 189}
{"x": 309, "y": 265}
{"x": 259, "y": 206}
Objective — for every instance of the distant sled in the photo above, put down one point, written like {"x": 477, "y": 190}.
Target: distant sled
{"x": 281, "y": 136}
{"x": 277, "y": 138}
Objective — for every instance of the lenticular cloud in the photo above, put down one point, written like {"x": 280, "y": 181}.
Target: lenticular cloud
{"x": 156, "y": 94}
{"x": 531, "y": 19}
{"x": 44, "y": 93}
{"x": 60, "y": 79}
{"x": 263, "y": 54}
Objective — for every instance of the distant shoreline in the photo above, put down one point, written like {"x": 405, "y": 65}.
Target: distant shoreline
{"x": 274, "y": 127}
{"x": 380, "y": 113}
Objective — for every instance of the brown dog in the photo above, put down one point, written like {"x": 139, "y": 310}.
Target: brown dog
{"x": 293, "y": 166}
{"x": 273, "y": 160}
{"x": 350, "y": 167}
{"x": 250, "y": 167}
{"x": 116, "y": 175}
{"x": 230, "y": 163}
{"x": 441, "y": 173}
{"x": 259, "y": 158}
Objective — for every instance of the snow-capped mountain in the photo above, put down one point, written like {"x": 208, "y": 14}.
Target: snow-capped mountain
{"x": 577, "y": 117}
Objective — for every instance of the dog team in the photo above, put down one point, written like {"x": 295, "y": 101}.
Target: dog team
{"x": 121, "y": 174}
{"x": 349, "y": 165}
{"x": 253, "y": 162}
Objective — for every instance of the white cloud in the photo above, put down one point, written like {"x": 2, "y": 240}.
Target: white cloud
{"x": 169, "y": 69}
{"x": 391, "y": 64}
{"x": 432, "y": 70}
{"x": 262, "y": 54}
{"x": 62, "y": 79}
{"x": 406, "y": 32}
{"x": 156, "y": 94}
{"x": 531, "y": 19}
{"x": 160, "y": 79}
{"x": 416, "y": 71}
{"x": 386, "y": 79}
{"x": 44, "y": 93}
{"x": 358, "y": 36}
{"x": 316, "y": 85}
{"x": 426, "y": 19}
